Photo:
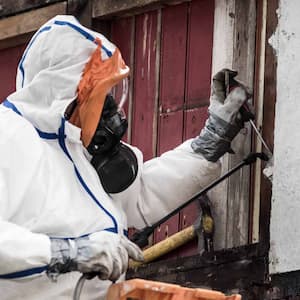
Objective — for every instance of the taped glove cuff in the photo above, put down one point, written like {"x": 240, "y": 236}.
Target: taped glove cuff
{"x": 224, "y": 130}
{"x": 210, "y": 145}
{"x": 215, "y": 138}
{"x": 63, "y": 257}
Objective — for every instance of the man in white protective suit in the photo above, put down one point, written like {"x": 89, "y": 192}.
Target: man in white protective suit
{"x": 68, "y": 187}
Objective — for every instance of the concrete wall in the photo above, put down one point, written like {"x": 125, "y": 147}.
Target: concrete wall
{"x": 285, "y": 213}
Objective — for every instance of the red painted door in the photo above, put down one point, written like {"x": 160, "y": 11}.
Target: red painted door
{"x": 197, "y": 89}
{"x": 9, "y": 59}
{"x": 170, "y": 57}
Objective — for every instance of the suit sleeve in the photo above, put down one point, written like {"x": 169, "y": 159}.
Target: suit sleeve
{"x": 166, "y": 182}
{"x": 22, "y": 253}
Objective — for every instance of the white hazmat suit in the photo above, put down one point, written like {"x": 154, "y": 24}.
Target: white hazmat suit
{"x": 48, "y": 187}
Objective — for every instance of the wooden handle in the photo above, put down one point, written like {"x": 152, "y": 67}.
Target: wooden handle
{"x": 166, "y": 246}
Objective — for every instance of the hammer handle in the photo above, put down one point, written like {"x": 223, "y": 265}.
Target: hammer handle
{"x": 166, "y": 246}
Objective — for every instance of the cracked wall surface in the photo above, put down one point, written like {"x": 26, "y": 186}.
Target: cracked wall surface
{"x": 285, "y": 211}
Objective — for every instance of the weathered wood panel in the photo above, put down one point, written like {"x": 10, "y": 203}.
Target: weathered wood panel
{"x": 144, "y": 120}
{"x": 9, "y": 59}
{"x": 198, "y": 75}
{"x": 29, "y": 21}
{"x": 258, "y": 103}
{"x": 173, "y": 58}
{"x": 82, "y": 10}
{"x": 231, "y": 199}
{"x": 109, "y": 8}
{"x": 170, "y": 131}
{"x": 270, "y": 96}
{"x": 199, "y": 58}
{"x": 18, "y": 6}
{"x": 222, "y": 58}
{"x": 122, "y": 35}
{"x": 194, "y": 121}
{"x": 171, "y": 99}
{"x": 165, "y": 230}
{"x": 239, "y": 183}
{"x": 187, "y": 217}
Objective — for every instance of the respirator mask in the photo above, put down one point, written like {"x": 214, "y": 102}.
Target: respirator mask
{"x": 115, "y": 163}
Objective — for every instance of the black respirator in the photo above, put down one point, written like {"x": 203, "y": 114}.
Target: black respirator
{"x": 115, "y": 163}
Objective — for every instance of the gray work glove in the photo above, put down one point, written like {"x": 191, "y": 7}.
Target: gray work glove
{"x": 103, "y": 253}
{"x": 225, "y": 118}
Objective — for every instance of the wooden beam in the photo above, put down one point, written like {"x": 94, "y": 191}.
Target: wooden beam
{"x": 258, "y": 104}
{"x": 222, "y": 58}
{"x": 8, "y": 8}
{"x": 241, "y": 270}
{"x": 270, "y": 95}
{"x": 15, "y": 41}
{"x": 285, "y": 286}
{"x": 82, "y": 10}
{"x": 234, "y": 48}
{"x": 239, "y": 184}
{"x": 30, "y": 21}
{"x": 109, "y": 8}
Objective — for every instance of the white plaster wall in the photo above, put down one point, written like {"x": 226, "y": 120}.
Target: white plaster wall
{"x": 285, "y": 213}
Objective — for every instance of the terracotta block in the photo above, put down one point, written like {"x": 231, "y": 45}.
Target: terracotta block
{"x": 138, "y": 289}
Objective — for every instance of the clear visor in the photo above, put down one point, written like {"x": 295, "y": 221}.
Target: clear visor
{"x": 120, "y": 94}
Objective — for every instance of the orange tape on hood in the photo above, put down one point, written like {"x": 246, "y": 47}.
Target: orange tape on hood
{"x": 98, "y": 78}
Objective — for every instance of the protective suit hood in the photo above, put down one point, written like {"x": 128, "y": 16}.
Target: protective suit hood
{"x": 66, "y": 61}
